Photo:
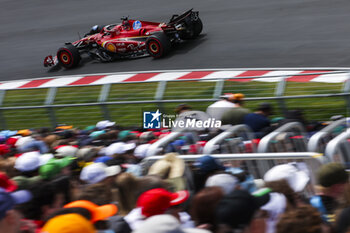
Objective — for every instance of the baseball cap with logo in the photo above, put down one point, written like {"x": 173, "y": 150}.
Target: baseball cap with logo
{"x": 97, "y": 172}
{"x": 97, "y": 212}
{"x": 68, "y": 223}
{"x": 157, "y": 201}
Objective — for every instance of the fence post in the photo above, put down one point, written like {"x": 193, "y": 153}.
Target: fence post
{"x": 346, "y": 90}
{"x": 218, "y": 88}
{"x": 2, "y": 117}
{"x": 103, "y": 98}
{"x": 50, "y": 98}
{"x": 279, "y": 91}
{"x": 160, "y": 94}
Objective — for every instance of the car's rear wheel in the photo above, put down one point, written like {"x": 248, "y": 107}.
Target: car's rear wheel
{"x": 68, "y": 56}
{"x": 158, "y": 45}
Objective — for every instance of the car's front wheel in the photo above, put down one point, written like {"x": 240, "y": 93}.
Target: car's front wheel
{"x": 68, "y": 56}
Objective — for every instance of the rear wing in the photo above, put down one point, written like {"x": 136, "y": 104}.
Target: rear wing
{"x": 189, "y": 15}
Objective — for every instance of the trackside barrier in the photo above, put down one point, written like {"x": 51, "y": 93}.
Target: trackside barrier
{"x": 287, "y": 138}
{"x": 259, "y": 163}
{"x": 338, "y": 149}
{"x": 318, "y": 141}
{"x": 47, "y": 105}
{"x": 232, "y": 141}
{"x": 159, "y": 146}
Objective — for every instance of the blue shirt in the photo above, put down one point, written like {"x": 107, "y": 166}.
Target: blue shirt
{"x": 256, "y": 121}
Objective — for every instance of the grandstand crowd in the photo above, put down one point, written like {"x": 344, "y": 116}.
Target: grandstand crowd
{"x": 69, "y": 180}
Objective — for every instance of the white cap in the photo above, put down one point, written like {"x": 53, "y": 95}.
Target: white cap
{"x": 45, "y": 158}
{"x": 64, "y": 151}
{"x": 23, "y": 140}
{"x": 225, "y": 181}
{"x": 104, "y": 124}
{"x": 297, "y": 179}
{"x": 141, "y": 151}
{"x": 129, "y": 146}
{"x": 97, "y": 172}
{"x": 28, "y": 161}
{"x": 115, "y": 148}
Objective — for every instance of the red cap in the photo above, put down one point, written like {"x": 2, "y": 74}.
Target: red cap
{"x": 6, "y": 183}
{"x": 11, "y": 141}
{"x": 157, "y": 201}
{"x": 4, "y": 149}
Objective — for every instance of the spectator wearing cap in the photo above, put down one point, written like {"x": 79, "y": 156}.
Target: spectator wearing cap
{"x": 289, "y": 179}
{"x": 66, "y": 150}
{"x": 47, "y": 197}
{"x": 204, "y": 167}
{"x": 203, "y": 207}
{"x": 226, "y": 102}
{"x": 332, "y": 178}
{"x": 28, "y": 165}
{"x": 172, "y": 169}
{"x": 154, "y": 202}
{"x": 55, "y": 167}
{"x": 10, "y": 219}
{"x": 99, "y": 172}
{"x": 69, "y": 223}
{"x": 235, "y": 211}
{"x": 259, "y": 121}
{"x": 98, "y": 213}
{"x": 101, "y": 125}
{"x": 130, "y": 188}
{"x": 33, "y": 143}
{"x": 165, "y": 224}
{"x": 226, "y": 182}
{"x": 234, "y": 116}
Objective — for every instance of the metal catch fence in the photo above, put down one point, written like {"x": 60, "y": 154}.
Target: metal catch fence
{"x": 124, "y": 102}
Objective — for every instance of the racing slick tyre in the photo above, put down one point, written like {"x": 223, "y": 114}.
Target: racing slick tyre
{"x": 68, "y": 56}
{"x": 194, "y": 30}
{"x": 158, "y": 45}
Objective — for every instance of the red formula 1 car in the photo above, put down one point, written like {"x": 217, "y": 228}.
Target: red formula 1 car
{"x": 131, "y": 38}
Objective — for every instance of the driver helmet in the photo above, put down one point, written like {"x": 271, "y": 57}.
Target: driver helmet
{"x": 95, "y": 29}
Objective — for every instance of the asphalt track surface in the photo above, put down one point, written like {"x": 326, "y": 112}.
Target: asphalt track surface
{"x": 236, "y": 34}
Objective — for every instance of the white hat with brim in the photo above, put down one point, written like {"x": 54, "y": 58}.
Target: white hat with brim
{"x": 97, "y": 172}
{"x": 104, "y": 124}
{"x": 115, "y": 148}
{"x": 29, "y": 161}
{"x": 297, "y": 179}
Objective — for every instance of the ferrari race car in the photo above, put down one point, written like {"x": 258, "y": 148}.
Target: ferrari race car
{"x": 131, "y": 38}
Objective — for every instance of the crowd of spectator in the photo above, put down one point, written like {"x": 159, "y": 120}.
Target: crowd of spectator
{"x": 70, "y": 180}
